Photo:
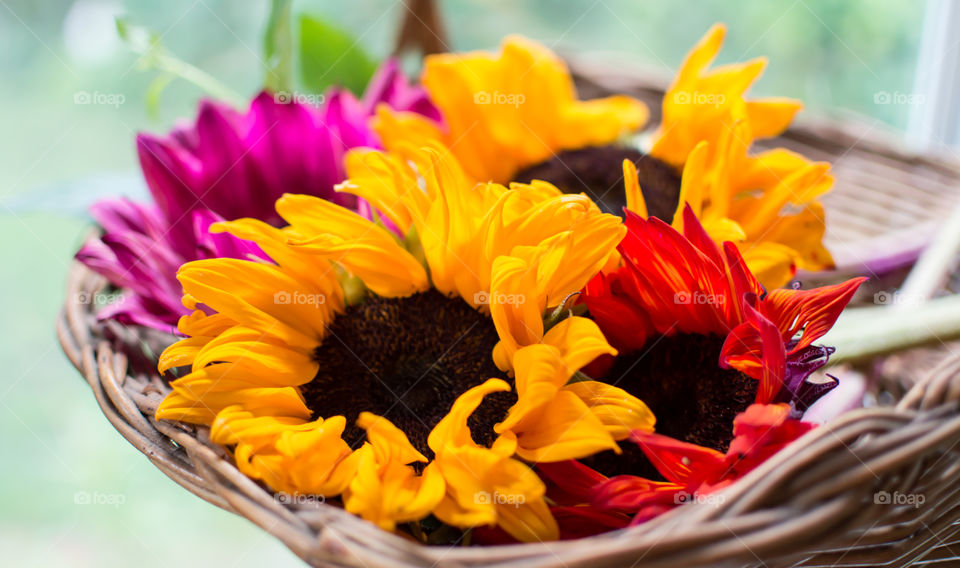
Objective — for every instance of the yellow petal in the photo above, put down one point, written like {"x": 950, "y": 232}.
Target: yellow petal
{"x": 302, "y": 460}
{"x": 249, "y": 351}
{"x": 484, "y": 488}
{"x": 193, "y": 401}
{"x": 530, "y": 522}
{"x": 798, "y": 187}
{"x": 619, "y": 411}
{"x": 273, "y": 241}
{"x": 579, "y": 341}
{"x": 389, "y": 441}
{"x": 773, "y": 264}
{"x": 380, "y": 182}
{"x": 631, "y": 183}
{"x": 722, "y": 230}
{"x": 200, "y": 324}
{"x": 507, "y": 111}
{"x": 235, "y": 424}
{"x": 451, "y": 513}
{"x": 540, "y": 372}
{"x": 387, "y": 493}
{"x": 362, "y": 247}
{"x": 261, "y": 296}
{"x": 692, "y": 184}
{"x": 771, "y": 116}
{"x": 180, "y": 353}
{"x": 513, "y": 307}
{"x": 600, "y": 121}
{"x": 452, "y": 431}
{"x": 564, "y": 429}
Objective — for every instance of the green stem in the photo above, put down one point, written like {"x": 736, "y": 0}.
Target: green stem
{"x": 278, "y": 47}
{"x": 562, "y": 312}
{"x": 579, "y": 377}
{"x": 862, "y": 333}
{"x": 198, "y": 77}
{"x": 153, "y": 56}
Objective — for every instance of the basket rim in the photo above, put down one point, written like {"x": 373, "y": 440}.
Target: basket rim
{"x": 811, "y": 500}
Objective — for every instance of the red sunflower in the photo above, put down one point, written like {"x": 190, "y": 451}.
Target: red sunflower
{"x": 725, "y": 365}
{"x": 698, "y": 335}
{"x": 688, "y": 472}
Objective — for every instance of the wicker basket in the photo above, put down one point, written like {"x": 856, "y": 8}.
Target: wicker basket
{"x": 813, "y": 505}
{"x": 822, "y": 502}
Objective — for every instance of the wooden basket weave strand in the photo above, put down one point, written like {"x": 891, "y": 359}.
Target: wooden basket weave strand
{"x": 835, "y": 498}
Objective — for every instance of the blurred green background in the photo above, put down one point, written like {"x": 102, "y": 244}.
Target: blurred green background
{"x": 59, "y": 156}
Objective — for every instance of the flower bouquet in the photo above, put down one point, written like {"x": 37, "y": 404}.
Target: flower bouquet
{"x": 473, "y": 319}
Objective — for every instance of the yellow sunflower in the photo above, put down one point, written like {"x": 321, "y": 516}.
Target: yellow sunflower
{"x": 766, "y": 203}
{"x": 423, "y": 392}
{"x": 506, "y": 112}
{"x": 514, "y": 116}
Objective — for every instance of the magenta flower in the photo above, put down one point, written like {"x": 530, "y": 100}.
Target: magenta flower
{"x": 389, "y": 86}
{"x": 230, "y": 165}
{"x": 137, "y": 254}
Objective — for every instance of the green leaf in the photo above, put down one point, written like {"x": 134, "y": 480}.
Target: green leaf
{"x": 329, "y": 56}
{"x": 278, "y": 47}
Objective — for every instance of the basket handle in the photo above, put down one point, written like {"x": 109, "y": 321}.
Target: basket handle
{"x": 422, "y": 29}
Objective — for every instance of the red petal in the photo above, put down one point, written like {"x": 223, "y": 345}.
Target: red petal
{"x": 578, "y": 522}
{"x": 570, "y": 482}
{"x": 625, "y": 324}
{"x": 695, "y": 233}
{"x": 650, "y": 512}
{"x": 813, "y": 311}
{"x": 630, "y": 494}
{"x": 746, "y": 288}
{"x": 761, "y": 431}
{"x": 757, "y": 349}
{"x": 490, "y": 535}
{"x": 679, "y": 462}
{"x": 682, "y": 288}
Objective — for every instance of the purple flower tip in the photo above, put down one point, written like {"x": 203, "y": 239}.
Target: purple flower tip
{"x": 798, "y": 390}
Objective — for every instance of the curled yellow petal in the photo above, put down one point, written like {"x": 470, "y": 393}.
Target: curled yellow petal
{"x": 386, "y": 489}
{"x": 452, "y": 431}
{"x": 566, "y": 428}
{"x": 619, "y": 411}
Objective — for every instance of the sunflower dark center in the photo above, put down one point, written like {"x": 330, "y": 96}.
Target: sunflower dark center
{"x": 695, "y": 400}
{"x": 598, "y": 172}
{"x": 407, "y": 359}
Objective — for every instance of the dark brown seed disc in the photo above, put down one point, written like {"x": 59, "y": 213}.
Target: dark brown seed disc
{"x": 598, "y": 172}
{"x": 407, "y": 359}
{"x": 693, "y": 398}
